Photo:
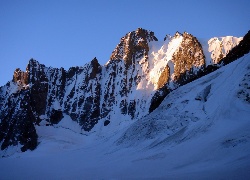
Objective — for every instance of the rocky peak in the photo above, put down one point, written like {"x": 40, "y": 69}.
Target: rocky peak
{"x": 33, "y": 65}
{"x": 189, "y": 58}
{"x": 185, "y": 64}
{"x": 133, "y": 45}
{"x": 128, "y": 67}
{"x": 96, "y": 68}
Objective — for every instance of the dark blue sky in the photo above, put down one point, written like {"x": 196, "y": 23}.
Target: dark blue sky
{"x": 64, "y": 33}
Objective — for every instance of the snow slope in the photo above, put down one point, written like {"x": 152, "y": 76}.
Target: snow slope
{"x": 200, "y": 131}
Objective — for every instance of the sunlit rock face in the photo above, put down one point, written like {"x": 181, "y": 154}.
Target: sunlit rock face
{"x": 141, "y": 72}
{"x": 193, "y": 59}
{"x": 124, "y": 80}
{"x": 188, "y": 60}
{"x": 133, "y": 46}
{"x": 185, "y": 64}
{"x": 20, "y": 76}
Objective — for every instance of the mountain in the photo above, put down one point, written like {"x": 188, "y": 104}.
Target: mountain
{"x": 200, "y": 131}
{"x": 141, "y": 72}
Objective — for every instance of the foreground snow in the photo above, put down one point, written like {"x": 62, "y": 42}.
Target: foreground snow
{"x": 200, "y": 131}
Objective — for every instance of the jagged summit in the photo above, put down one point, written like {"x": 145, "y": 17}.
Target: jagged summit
{"x": 141, "y": 72}
{"x": 133, "y": 45}
{"x": 177, "y": 34}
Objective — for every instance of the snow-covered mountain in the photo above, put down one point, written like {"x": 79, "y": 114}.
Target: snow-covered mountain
{"x": 200, "y": 131}
{"x": 141, "y": 98}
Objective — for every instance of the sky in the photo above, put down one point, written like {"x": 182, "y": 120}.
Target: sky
{"x": 66, "y": 33}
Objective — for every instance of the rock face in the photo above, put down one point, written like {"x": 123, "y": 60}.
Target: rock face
{"x": 139, "y": 75}
{"x": 133, "y": 46}
{"x": 75, "y": 92}
{"x": 17, "y": 122}
{"x": 188, "y": 60}
{"x": 82, "y": 94}
{"x": 122, "y": 75}
{"x": 47, "y": 93}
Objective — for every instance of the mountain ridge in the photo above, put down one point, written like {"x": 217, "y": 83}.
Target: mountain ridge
{"x": 130, "y": 85}
{"x": 210, "y": 114}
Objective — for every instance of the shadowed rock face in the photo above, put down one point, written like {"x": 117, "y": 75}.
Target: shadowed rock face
{"x": 93, "y": 92}
{"x": 52, "y": 89}
{"x": 56, "y": 116}
{"x": 17, "y": 123}
{"x": 38, "y": 87}
{"x": 82, "y": 94}
{"x": 49, "y": 94}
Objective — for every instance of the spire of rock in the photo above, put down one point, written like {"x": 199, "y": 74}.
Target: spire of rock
{"x": 133, "y": 45}
{"x": 189, "y": 59}
{"x": 96, "y": 68}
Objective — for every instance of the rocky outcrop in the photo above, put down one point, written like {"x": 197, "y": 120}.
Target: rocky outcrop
{"x": 56, "y": 116}
{"x": 22, "y": 77}
{"x": 189, "y": 59}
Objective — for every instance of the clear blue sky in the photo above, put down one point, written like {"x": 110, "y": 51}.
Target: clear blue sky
{"x": 65, "y": 33}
